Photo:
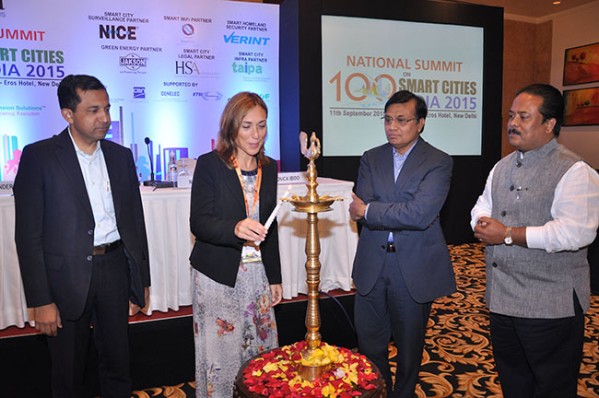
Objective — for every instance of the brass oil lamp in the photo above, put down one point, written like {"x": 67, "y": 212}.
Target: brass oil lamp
{"x": 312, "y": 204}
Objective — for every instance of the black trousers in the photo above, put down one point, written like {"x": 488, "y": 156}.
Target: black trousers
{"x": 107, "y": 309}
{"x": 389, "y": 311}
{"x": 538, "y": 357}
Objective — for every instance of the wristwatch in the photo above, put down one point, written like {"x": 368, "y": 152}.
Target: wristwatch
{"x": 507, "y": 239}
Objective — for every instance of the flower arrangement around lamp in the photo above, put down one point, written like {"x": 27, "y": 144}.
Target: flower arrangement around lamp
{"x": 275, "y": 373}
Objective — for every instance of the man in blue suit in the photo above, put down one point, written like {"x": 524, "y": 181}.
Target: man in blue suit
{"x": 402, "y": 262}
{"x": 81, "y": 241}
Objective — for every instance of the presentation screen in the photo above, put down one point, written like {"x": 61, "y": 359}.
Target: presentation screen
{"x": 364, "y": 61}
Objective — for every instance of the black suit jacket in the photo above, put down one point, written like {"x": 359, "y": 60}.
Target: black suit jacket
{"x": 55, "y": 223}
{"x": 217, "y": 205}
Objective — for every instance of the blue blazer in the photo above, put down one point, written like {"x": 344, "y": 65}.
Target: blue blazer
{"x": 410, "y": 208}
{"x": 55, "y": 223}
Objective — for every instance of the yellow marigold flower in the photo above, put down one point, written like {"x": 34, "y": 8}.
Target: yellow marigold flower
{"x": 318, "y": 353}
{"x": 257, "y": 373}
{"x": 283, "y": 367}
{"x": 329, "y": 391}
{"x": 351, "y": 378}
{"x": 323, "y": 355}
{"x": 296, "y": 380}
{"x": 299, "y": 380}
{"x": 270, "y": 367}
{"x": 333, "y": 353}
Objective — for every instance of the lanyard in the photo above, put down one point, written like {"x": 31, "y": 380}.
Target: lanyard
{"x": 256, "y": 190}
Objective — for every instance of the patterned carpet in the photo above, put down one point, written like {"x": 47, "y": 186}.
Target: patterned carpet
{"x": 458, "y": 360}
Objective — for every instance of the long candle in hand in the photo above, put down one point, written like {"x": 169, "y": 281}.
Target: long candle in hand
{"x": 272, "y": 216}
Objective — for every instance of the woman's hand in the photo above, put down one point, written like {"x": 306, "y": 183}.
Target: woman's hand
{"x": 276, "y": 294}
{"x": 250, "y": 230}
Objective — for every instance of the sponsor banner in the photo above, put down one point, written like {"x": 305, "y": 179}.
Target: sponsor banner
{"x": 169, "y": 68}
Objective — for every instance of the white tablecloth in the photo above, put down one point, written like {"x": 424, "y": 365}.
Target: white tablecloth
{"x": 170, "y": 241}
{"x": 13, "y": 309}
{"x": 166, "y": 212}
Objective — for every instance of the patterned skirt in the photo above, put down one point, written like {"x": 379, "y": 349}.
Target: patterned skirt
{"x": 231, "y": 325}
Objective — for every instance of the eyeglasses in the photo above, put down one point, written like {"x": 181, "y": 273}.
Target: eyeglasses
{"x": 402, "y": 121}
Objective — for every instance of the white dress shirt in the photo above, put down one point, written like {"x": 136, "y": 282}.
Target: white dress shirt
{"x": 575, "y": 211}
{"x": 97, "y": 184}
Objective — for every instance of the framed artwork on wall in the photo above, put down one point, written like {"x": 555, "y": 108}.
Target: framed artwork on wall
{"x": 581, "y": 107}
{"x": 581, "y": 64}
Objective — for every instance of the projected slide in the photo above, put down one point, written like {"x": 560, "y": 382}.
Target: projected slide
{"x": 364, "y": 61}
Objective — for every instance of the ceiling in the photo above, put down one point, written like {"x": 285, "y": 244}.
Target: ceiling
{"x": 530, "y": 8}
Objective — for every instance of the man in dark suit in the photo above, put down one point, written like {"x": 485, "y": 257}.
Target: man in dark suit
{"x": 402, "y": 262}
{"x": 81, "y": 241}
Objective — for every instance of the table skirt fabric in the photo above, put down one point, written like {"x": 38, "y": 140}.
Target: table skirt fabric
{"x": 166, "y": 213}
